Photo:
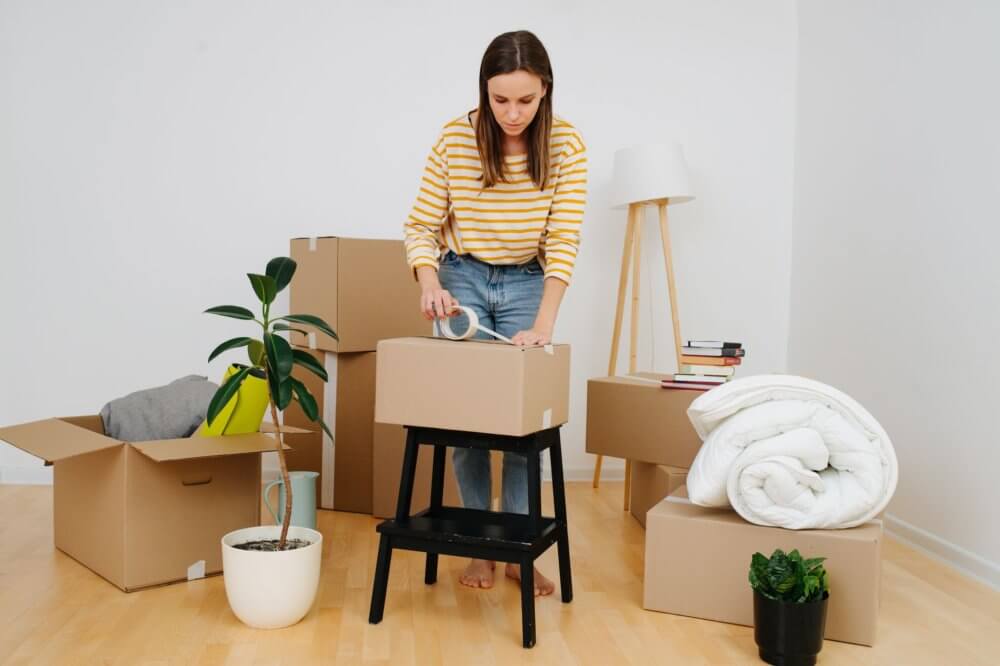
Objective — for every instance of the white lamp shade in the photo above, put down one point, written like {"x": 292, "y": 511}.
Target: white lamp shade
{"x": 648, "y": 172}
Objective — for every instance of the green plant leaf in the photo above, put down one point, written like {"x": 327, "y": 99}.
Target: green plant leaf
{"x": 225, "y": 394}
{"x": 234, "y": 343}
{"x": 234, "y": 311}
{"x": 312, "y": 320}
{"x": 325, "y": 428}
{"x": 264, "y": 286}
{"x": 257, "y": 353}
{"x": 309, "y": 362}
{"x": 305, "y": 398}
{"x": 285, "y": 327}
{"x": 279, "y": 355}
{"x": 281, "y": 270}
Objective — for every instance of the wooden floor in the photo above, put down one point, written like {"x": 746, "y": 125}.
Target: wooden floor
{"x": 54, "y": 611}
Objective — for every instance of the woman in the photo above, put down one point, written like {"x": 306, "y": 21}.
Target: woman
{"x": 496, "y": 227}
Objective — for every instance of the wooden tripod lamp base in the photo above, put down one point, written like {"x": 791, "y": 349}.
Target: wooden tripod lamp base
{"x": 647, "y": 175}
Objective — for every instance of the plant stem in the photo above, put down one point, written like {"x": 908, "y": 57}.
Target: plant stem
{"x": 287, "y": 518}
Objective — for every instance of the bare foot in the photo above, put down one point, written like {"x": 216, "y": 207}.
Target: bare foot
{"x": 543, "y": 586}
{"x": 479, "y": 573}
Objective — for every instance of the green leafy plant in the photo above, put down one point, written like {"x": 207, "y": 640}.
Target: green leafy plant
{"x": 274, "y": 356}
{"x": 789, "y": 578}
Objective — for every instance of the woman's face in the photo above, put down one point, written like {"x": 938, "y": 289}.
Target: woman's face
{"x": 514, "y": 99}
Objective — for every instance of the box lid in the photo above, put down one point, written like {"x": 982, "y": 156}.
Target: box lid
{"x": 55, "y": 439}
{"x": 503, "y": 347}
{"x": 678, "y": 504}
{"x": 189, "y": 448}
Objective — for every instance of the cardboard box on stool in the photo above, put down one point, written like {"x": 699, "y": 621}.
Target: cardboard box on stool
{"x": 697, "y": 562}
{"x": 363, "y": 288}
{"x": 472, "y": 385}
{"x": 347, "y": 401}
{"x": 637, "y": 420}
{"x": 650, "y": 484}
{"x": 145, "y": 513}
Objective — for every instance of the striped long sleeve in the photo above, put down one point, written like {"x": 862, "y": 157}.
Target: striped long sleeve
{"x": 423, "y": 227}
{"x": 510, "y": 223}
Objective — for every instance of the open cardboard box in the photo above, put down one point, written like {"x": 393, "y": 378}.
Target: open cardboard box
{"x": 472, "y": 385}
{"x": 146, "y": 513}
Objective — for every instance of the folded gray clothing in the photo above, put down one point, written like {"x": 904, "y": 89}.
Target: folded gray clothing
{"x": 165, "y": 412}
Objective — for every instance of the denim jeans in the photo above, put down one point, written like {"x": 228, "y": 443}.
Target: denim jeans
{"x": 506, "y": 300}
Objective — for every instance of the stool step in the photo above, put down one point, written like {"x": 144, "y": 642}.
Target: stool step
{"x": 474, "y": 527}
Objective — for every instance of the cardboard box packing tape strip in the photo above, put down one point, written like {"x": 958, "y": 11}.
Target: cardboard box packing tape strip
{"x": 444, "y": 326}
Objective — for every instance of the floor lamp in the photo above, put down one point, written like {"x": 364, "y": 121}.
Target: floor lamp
{"x": 647, "y": 175}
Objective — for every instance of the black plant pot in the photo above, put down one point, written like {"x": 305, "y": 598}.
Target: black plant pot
{"x": 788, "y": 634}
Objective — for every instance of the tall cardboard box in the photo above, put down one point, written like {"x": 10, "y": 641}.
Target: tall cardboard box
{"x": 348, "y": 409}
{"x": 697, "y": 563}
{"x": 650, "y": 484}
{"x": 472, "y": 385}
{"x": 145, "y": 513}
{"x": 363, "y": 288}
{"x": 636, "y": 420}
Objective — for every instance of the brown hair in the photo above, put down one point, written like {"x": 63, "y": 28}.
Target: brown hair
{"x": 510, "y": 52}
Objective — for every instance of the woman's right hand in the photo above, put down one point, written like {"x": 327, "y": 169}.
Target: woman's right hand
{"x": 435, "y": 302}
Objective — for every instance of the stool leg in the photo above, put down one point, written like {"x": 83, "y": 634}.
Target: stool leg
{"x": 381, "y": 580}
{"x": 528, "y": 602}
{"x": 407, "y": 475}
{"x": 559, "y": 500}
{"x": 437, "y": 497}
{"x": 431, "y": 569}
{"x": 535, "y": 491}
{"x": 437, "y": 476}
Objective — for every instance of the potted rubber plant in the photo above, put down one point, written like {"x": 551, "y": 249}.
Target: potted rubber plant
{"x": 271, "y": 572}
{"x": 790, "y": 595}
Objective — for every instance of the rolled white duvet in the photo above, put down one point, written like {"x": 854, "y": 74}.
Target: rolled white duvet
{"x": 790, "y": 452}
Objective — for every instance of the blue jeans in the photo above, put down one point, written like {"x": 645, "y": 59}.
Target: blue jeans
{"x": 506, "y": 300}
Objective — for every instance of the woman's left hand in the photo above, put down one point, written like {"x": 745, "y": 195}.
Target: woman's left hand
{"x": 532, "y": 337}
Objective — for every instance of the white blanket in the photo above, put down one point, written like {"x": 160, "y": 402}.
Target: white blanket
{"x": 790, "y": 452}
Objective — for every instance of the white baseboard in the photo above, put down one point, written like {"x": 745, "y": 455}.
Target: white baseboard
{"x": 22, "y": 475}
{"x": 955, "y": 556}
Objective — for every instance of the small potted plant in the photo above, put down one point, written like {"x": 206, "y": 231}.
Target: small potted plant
{"x": 271, "y": 572}
{"x": 789, "y": 607}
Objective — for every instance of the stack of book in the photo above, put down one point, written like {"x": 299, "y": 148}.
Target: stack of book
{"x": 707, "y": 363}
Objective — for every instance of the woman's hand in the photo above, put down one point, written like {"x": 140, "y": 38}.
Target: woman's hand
{"x": 532, "y": 337}
{"x": 435, "y": 302}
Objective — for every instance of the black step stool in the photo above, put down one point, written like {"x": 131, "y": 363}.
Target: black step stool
{"x": 487, "y": 535}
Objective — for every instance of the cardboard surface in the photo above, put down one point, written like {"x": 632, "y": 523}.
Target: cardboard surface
{"x": 697, "y": 563}
{"x": 348, "y": 405}
{"x": 143, "y": 514}
{"x": 472, "y": 385}
{"x": 641, "y": 421}
{"x": 363, "y": 288}
{"x": 650, "y": 484}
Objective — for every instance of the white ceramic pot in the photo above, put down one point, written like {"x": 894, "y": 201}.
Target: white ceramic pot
{"x": 270, "y": 590}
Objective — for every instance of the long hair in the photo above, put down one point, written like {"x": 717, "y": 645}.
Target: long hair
{"x": 510, "y": 52}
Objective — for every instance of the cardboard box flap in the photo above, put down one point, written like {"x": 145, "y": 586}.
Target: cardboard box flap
{"x": 187, "y": 448}
{"x": 55, "y": 439}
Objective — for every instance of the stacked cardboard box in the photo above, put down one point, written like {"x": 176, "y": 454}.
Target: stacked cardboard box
{"x": 647, "y": 425}
{"x": 697, "y": 563}
{"x": 364, "y": 289}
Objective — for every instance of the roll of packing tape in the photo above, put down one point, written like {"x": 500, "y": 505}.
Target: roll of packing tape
{"x": 474, "y": 327}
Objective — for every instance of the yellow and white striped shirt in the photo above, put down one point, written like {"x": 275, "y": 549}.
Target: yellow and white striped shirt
{"x": 509, "y": 223}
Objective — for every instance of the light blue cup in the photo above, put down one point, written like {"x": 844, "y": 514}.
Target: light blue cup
{"x": 303, "y": 499}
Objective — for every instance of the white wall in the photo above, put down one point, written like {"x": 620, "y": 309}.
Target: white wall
{"x": 894, "y": 273}
{"x": 151, "y": 154}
